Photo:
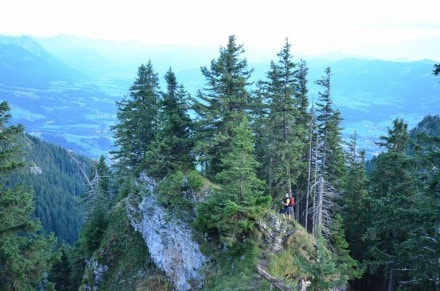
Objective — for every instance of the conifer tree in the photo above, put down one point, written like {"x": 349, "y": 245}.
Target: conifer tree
{"x": 345, "y": 264}
{"x": 60, "y": 272}
{"x": 284, "y": 123}
{"x": 25, "y": 254}
{"x": 330, "y": 154}
{"x": 397, "y": 138}
{"x": 393, "y": 191}
{"x": 137, "y": 116}
{"x": 240, "y": 203}
{"x": 421, "y": 250}
{"x": 99, "y": 200}
{"x": 354, "y": 198}
{"x": 104, "y": 179}
{"x": 259, "y": 121}
{"x": 304, "y": 122}
{"x": 327, "y": 161}
{"x": 172, "y": 149}
{"x": 220, "y": 104}
{"x": 302, "y": 94}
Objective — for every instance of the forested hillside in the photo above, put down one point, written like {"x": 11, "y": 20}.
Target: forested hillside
{"x": 192, "y": 198}
{"x": 55, "y": 176}
{"x": 25, "y": 254}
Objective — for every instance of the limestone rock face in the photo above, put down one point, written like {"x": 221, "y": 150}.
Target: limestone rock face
{"x": 275, "y": 232}
{"x": 170, "y": 244}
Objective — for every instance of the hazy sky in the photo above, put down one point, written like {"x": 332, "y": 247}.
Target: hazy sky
{"x": 388, "y": 29}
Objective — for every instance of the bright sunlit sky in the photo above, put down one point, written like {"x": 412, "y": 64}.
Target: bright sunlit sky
{"x": 389, "y": 29}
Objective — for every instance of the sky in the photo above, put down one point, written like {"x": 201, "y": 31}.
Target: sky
{"x": 387, "y": 29}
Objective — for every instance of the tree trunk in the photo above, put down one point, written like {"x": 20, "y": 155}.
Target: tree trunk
{"x": 273, "y": 280}
{"x": 319, "y": 204}
{"x": 390, "y": 281}
{"x": 309, "y": 177}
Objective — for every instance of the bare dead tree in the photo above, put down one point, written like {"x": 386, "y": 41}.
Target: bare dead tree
{"x": 325, "y": 196}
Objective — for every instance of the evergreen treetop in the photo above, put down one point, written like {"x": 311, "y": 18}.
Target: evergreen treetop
{"x": 220, "y": 104}
{"x": 138, "y": 121}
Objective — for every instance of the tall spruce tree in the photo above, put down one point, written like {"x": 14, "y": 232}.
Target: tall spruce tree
{"x": 345, "y": 264}
{"x": 61, "y": 270}
{"x": 240, "y": 203}
{"x": 138, "y": 117}
{"x": 393, "y": 191}
{"x": 328, "y": 158}
{"x": 287, "y": 132}
{"x": 329, "y": 133}
{"x": 172, "y": 149}
{"x": 25, "y": 254}
{"x": 220, "y": 104}
{"x": 259, "y": 114}
{"x": 303, "y": 122}
{"x": 421, "y": 250}
{"x": 354, "y": 198}
{"x": 403, "y": 206}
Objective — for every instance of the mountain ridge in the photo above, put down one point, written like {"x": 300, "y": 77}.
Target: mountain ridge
{"x": 24, "y": 62}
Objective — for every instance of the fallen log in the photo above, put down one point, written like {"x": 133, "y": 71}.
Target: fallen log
{"x": 277, "y": 283}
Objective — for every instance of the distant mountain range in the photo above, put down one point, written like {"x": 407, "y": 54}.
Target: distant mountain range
{"x": 64, "y": 89}
{"x": 24, "y": 62}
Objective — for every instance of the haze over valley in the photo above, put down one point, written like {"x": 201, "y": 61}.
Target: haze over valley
{"x": 64, "y": 89}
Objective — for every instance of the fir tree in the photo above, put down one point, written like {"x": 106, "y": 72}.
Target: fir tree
{"x": 220, "y": 104}
{"x": 234, "y": 211}
{"x": 328, "y": 160}
{"x": 172, "y": 149}
{"x": 286, "y": 131}
{"x": 259, "y": 122}
{"x": 60, "y": 272}
{"x": 345, "y": 264}
{"x": 397, "y": 138}
{"x": 330, "y": 154}
{"x": 99, "y": 200}
{"x": 421, "y": 249}
{"x": 304, "y": 122}
{"x": 354, "y": 198}
{"x": 393, "y": 192}
{"x": 137, "y": 115}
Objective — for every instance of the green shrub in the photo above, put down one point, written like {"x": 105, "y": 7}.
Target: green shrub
{"x": 170, "y": 188}
{"x": 195, "y": 180}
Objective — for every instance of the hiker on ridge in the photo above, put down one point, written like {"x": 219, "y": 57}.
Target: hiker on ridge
{"x": 287, "y": 209}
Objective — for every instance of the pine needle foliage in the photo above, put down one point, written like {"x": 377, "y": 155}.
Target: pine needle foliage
{"x": 233, "y": 211}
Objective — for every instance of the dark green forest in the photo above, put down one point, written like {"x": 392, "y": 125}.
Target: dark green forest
{"x": 366, "y": 224}
{"x": 54, "y": 175}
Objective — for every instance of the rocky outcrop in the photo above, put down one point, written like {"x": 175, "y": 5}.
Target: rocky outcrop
{"x": 275, "y": 231}
{"x": 169, "y": 242}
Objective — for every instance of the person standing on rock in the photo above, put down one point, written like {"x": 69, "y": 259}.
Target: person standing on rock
{"x": 287, "y": 209}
